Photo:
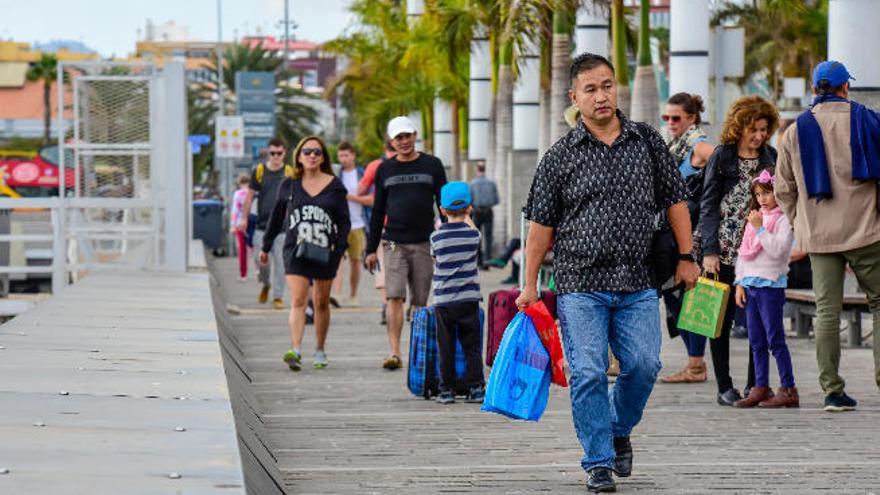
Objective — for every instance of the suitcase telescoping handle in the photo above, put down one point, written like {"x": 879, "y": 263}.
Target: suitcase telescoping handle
{"x": 522, "y": 254}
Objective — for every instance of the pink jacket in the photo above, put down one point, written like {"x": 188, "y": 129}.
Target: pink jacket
{"x": 237, "y": 205}
{"x": 766, "y": 255}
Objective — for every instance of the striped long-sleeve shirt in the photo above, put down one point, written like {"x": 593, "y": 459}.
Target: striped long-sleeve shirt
{"x": 456, "y": 276}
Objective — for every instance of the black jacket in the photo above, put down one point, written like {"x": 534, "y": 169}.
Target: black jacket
{"x": 721, "y": 175}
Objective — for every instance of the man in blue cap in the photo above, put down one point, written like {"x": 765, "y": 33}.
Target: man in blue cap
{"x": 827, "y": 179}
{"x": 455, "y": 246}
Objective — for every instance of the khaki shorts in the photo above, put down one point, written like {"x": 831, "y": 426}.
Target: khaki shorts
{"x": 408, "y": 264}
{"x": 357, "y": 241}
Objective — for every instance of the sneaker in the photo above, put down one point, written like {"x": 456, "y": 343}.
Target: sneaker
{"x": 729, "y": 397}
{"x": 353, "y": 302}
{"x": 476, "y": 395}
{"x": 293, "y": 359}
{"x": 497, "y": 263}
{"x": 446, "y": 397}
{"x": 320, "y": 360}
{"x": 264, "y": 294}
{"x": 334, "y": 302}
{"x": 739, "y": 332}
{"x": 391, "y": 363}
{"x": 310, "y": 313}
{"x": 599, "y": 480}
{"x": 840, "y": 402}
{"x": 383, "y": 320}
{"x": 623, "y": 457}
{"x": 277, "y": 303}
{"x": 510, "y": 280}
{"x": 242, "y": 279}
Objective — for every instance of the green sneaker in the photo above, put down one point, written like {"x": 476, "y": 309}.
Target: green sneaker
{"x": 320, "y": 360}
{"x": 293, "y": 360}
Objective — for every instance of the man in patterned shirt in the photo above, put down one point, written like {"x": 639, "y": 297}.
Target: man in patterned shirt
{"x": 596, "y": 194}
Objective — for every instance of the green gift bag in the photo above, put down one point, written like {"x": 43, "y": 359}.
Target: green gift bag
{"x": 703, "y": 307}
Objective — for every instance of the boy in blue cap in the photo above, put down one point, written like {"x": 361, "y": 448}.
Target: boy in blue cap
{"x": 455, "y": 246}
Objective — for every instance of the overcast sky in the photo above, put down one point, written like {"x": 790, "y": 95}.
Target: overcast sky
{"x": 111, "y": 26}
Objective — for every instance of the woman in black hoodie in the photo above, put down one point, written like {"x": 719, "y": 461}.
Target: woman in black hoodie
{"x": 744, "y": 152}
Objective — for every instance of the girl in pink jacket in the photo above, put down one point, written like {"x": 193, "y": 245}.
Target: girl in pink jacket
{"x": 761, "y": 278}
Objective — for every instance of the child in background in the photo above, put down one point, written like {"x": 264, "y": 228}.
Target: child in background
{"x": 761, "y": 278}
{"x": 457, "y": 293}
{"x": 234, "y": 219}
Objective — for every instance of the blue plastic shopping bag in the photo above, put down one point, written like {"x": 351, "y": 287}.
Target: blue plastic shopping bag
{"x": 519, "y": 383}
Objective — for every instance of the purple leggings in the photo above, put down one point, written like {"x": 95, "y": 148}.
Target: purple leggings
{"x": 766, "y": 333}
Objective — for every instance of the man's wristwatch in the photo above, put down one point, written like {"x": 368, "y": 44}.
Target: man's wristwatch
{"x": 686, "y": 257}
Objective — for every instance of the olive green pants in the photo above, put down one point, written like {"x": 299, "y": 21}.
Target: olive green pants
{"x": 828, "y": 275}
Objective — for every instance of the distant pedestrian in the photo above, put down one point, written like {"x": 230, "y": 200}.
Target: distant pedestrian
{"x": 689, "y": 145}
{"x": 457, "y": 294}
{"x": 350, "y": 175}
{"x": 484, "y": 193}
{"x": 761, "y": 279}
{"x": 265, "y": 180}
{"x": 827, "y": 183}
{"x": 235, "y": 217}
{"x": 407, "y": 190}
{"x": 312, "y": 207}
{"x": 724, "y": 207}
{"x": 595, "y": 196}
{"x": 367, "y": 191}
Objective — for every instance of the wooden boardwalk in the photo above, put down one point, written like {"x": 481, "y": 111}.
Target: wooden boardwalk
{"x": 354, "y": 428}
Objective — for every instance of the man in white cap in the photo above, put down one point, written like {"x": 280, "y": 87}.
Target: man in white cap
{"x": 407, "y": 189}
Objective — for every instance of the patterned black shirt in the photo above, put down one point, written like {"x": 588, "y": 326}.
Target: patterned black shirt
{"x": 602, "y": 202}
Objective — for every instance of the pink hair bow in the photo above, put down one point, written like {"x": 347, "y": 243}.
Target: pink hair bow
{"x": 765, "y": 178}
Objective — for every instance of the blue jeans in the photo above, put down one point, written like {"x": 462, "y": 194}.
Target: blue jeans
{"x": 630, "y": 323}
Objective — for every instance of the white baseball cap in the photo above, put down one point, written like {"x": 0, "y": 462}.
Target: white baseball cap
{"x": 399, "y": 125}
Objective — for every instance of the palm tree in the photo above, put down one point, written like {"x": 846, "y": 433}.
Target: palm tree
{"x": 783, "y": 37}
{"x": 563, "y": 17}
{"x": 45, "y": 70}
{"x": 645, "y": 99}
{"x": 621, "y": 68}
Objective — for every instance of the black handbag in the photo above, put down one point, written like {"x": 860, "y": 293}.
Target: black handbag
{"x": 312, "y": 253}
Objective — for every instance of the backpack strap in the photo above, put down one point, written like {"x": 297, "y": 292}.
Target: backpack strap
{"x": 288, "y": 170}
{"x": 258, "y": 174}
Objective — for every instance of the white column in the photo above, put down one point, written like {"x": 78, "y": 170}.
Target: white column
{"x": 175, "y": 196}
{"x": 479, "y": 102}
{"x": 415, "y": 8}
{"x": 689, "y": 47}
{"x": 416, "y": 118}
{"x": 444, "y": 145}
{"x": 591, "y": 34}
{"x": 526, "y": 100}
{"x": 852, "y": 36}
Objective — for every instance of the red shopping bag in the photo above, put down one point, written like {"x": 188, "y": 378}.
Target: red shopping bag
{"x": 545, "y": 324}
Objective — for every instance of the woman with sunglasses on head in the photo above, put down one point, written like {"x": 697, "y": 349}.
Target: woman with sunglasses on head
{"x": 312, "y": 206}
{"x": 743, "y": 154}
{"x": 689, "y": 145}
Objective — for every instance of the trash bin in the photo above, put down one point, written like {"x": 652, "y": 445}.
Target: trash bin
{"x": 208, "y": 222}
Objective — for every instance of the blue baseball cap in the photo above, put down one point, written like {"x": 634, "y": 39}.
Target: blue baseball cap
{"x": 455, "y": 196}
{"x": 832, "y": 71}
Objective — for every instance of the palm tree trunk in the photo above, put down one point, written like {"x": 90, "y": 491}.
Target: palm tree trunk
{"x": 47, "y": 111}
{"x": 645, "y": 99}
{"x": 621, "y": 69}
{"x": 561, "y": 57}
{"x": 544, "y": 96}
{"x": 503, "y": 141}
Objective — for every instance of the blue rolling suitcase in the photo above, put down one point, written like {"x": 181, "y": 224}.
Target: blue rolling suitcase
{"x": 423, "y": 369}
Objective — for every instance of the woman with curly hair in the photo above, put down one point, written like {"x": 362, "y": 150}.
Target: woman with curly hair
{"x": 743, "y": 154}
{"x": 312, "y": 207}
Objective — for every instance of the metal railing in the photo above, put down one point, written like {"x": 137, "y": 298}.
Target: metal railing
{"x": 58, "y": 267}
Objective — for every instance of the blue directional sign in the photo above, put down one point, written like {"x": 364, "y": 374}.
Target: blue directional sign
{"x": 255, "y": 92}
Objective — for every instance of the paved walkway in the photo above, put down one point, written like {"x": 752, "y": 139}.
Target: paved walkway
{"x": 116, "y": 386}
{"x": 354, "y": 428}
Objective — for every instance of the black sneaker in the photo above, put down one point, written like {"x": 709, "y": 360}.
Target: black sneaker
{"x": 623, "y": 457}
{"x": 446, "y": 397}
{"x": 839, "y": 402}
{"x": 599, "y": 480}
{"x": 739, "y": 332}
{"x": 476, "y": 395}
{"x": 383, "y": 320}
{"x": 728, "y": 397}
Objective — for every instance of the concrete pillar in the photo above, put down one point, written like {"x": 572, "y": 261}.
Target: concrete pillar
{"x": 480, "y": 101}
{"x": 591, "y": 33}
{"x": 689, "y": 47}
{"x": 444, "y": 144}
{"x": 526, "y": 123}
{"x": 416, "y": 118}
{"x": 174, "y": 195}
{"x": 852, "y": 29}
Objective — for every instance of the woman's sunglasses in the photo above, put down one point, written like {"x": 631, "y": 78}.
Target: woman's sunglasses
{"x": 671, "y": 118}
{"x": 312, "y": 151}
